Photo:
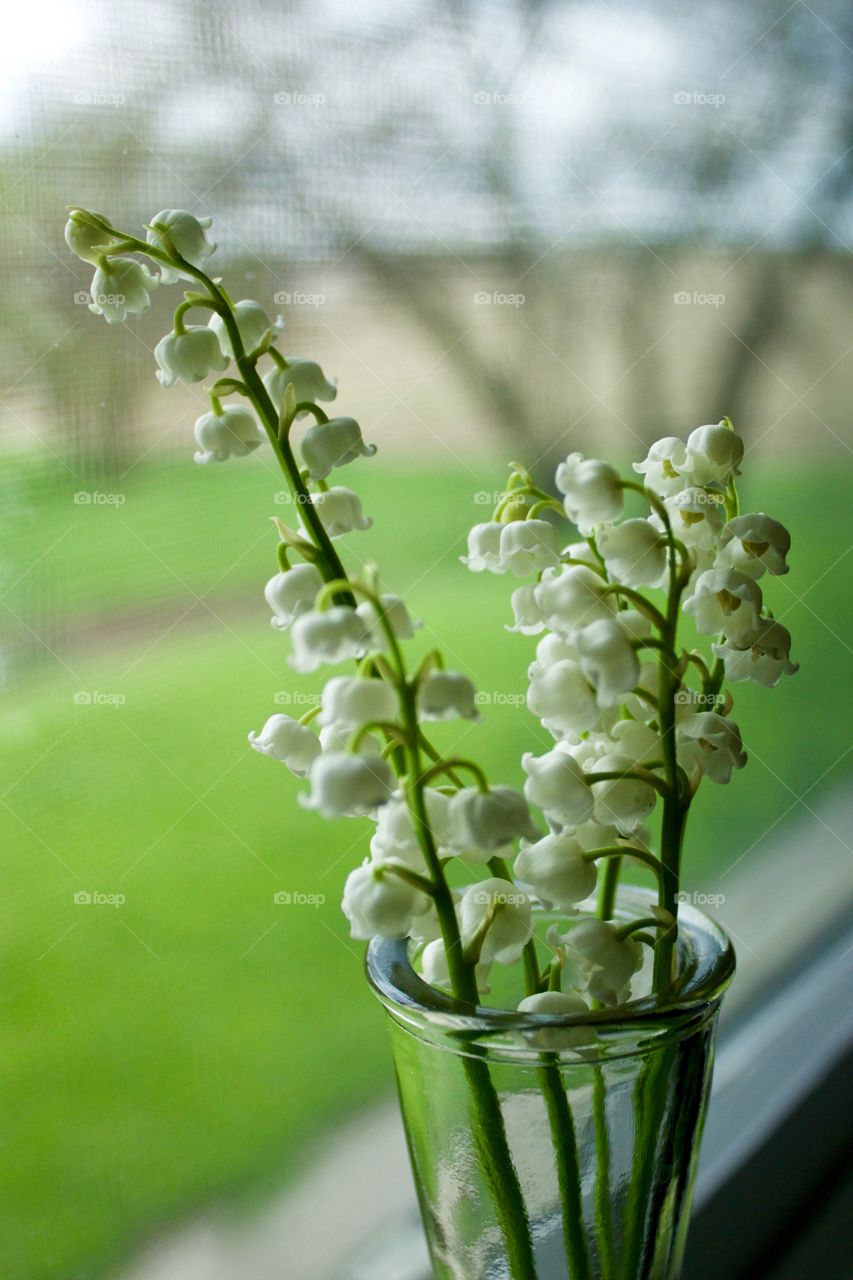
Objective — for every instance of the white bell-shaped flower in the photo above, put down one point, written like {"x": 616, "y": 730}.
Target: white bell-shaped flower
{"x": 84, "y": 239}
{"x": 337, "y": 737}
{"x": 709, "y": 743}
{"x": 556, "y": 784}
{"x": 287, "y": 740}
{"x": 485, "y": 821}
{"x": 436, "y": 970}
{"x": 346, "y": 785}
{"x": 714, "y": 454}
{"x": 592, "y": 491}
{"x": 606, "y": 961}
{"x": 340, "y": 511}
{"x": 557, "y": 1003}
{"x": 664, "y": 468}
{"x": 354, "y": 701}
{"x": 525, "y": 611}
{"x": 394, "y": 614}
{"x": 696, "y": 516}
{"x": 121, "y": 287}
{"x": 550, "y": 649}
{"x": 595, "y": 835}
{"x": 623, "y": 802}
{"x": 563, "y": 699}
{"x": 484, "y": 548}
{"x": 376, "y": 901}
{"x": 308, "y": 380}
{"x": 724, "y": 601}
{"x": 327, "y": 636}
{"x": 556, "y": 870}
{"x": 233, "y": 433}
{"x": 447, "y": 695}
{"x": 188, "y": 356}
{"x": 395, "y": 835}
{"x": 762, "y": 656}
{"x": 753, "y": 544}
{"x": 635, "y": 740}
{"x": 331, "y": 444}
{"x": 291, "y": 592}
{"x": 253, "y": 325}
{"x": 511, "y": 926}
{"x": 571, "y": 597}
{"x": 635, "y": 552}
{"x": 179, "y": 230}
{"x": 528, "y": 546}
{"x": 607, "y": 660}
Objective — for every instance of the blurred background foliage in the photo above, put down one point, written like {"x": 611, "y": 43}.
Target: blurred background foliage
{"x": 511, "y": 230}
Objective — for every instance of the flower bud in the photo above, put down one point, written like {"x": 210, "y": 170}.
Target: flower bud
{"x": 233, "y": 433}
{"x": 446, "y": 695}
{"x": 178, "y": 231}
{"x": 333, "y": 444}
{"x": 188, "y": 356}
{"x": 86, "y": 239}
{"x": 557, "y": 785}
{"x": 485, "y": 821}
{"x": 345, "y": 785}
{"x": 593, "y": 494}
{"x": 353, "y": 701}
{"x": 287, "y": 740}
{"x": 327, "y": 636}
{"x": 556, "y": 870}
{"x": 714, "y": 454}
{"x": 376, "y": 901}
{"x": 292, "y": 592}
{"x": 511, "y": 927}
{"x": 484, "y": 548}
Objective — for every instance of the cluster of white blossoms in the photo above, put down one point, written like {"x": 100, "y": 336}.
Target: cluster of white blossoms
{"x": 454, "y": 863}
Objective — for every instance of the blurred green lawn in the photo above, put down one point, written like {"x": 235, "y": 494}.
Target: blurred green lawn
{"x": 194, "y": 1042}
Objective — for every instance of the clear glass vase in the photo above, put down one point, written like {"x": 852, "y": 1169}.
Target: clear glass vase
{"x": 557, "y": 1147}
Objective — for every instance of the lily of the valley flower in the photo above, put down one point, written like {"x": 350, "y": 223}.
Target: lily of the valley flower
{"x": 345, "y": 785}
{"x": 85, "y": 239}
{"x": 121, "y": 287}
{"x": 571, "y": 597}
{"x": 340, "y": 511}
{"x": 287, "y": 740}
{"x": 481, "y": 822}
{"x": 351, "y": 701}
{"x": 606, "y": 961}
{"x": 394, "y": 614}
{"x": 333, "y": 444}
{"x": 188, "y": 356}
{"x": 253, "y": 325}
{"x": 696, "y": 516}
{"x": 525, "y": 611}
{"x": 623, "y": 802}
{"x": 528, "y": 546}
{"x": 762, "y": 656}
{"x": 508, "y": 909}
{"x": 447, "y": 695}
{"x": 664, "y": 468}
{"x": 550, "y": 649}
{"x": 178, "y": 230}
{"x": 714, "y": 454}
{"x": 563, "y": 699}
{"x": 328, "y": 636}
{"x": 484, "y": 548}
{"x": 592, "y": 491}
{"x": 556, "y": 870}
{"x": 233, "y": 433}
{"x": 711, "y": 743}
{"x": 291, "y": 593}
{"x": 376, "y": 901}
{"x": 395, "y": 835}
{"x": 556, "y": 1003}
{"x": 436, "y": 970}
{"x": 753, "y": 544}
{"x": 557, "y": 785}
{"x": 724, "y": 601}
{"x": 608, "y": 660}
{"x": 634, "y": 552}
{"x": 308, "y": 380}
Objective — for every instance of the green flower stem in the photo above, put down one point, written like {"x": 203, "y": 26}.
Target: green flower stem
{"x": 421, "y": 883}
{"x": 638, "y": 773}
{"x": 602, "y": 1195}
{"x": 610, "y": 880}
{"x": 643, "y": 605}
{"x": 456, "y": 762}
{"x": 567, "y": 1160}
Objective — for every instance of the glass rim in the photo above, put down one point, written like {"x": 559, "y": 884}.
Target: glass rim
{"x": 705, "y": 952}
